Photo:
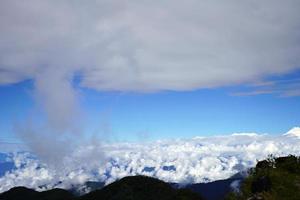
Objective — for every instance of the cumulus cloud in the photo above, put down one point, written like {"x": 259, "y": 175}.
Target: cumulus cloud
{"x": 200, "y": 159}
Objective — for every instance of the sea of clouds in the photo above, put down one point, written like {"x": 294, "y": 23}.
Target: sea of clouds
{"x": 200, "y": 159}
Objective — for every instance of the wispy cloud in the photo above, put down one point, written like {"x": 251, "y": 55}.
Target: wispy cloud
{"x": 7, "y": 146}
{"x": 280, "y": 88}
{"x": 253, "y": 93}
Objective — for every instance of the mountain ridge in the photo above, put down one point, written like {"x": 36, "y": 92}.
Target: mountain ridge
{"x": 127, "y": 188}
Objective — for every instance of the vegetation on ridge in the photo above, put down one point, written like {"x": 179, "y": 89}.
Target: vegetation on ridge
{"x": 271, "y": 179}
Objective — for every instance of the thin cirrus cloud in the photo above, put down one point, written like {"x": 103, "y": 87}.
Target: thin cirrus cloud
{"x": 281, "y": 88}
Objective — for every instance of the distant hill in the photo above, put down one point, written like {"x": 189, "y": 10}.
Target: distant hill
{"x": 140, "y": 188}
{"x": 128, "y": 188}
{"x": 272, "y": 179}
{"x": 206, "y": 190}
{"x": 5, "y": 165}
{"x": 22, "y": 193}
{"x": 216, "y": 190}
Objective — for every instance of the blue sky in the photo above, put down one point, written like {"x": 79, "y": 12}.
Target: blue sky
{"x": 140, "y": 70}
{"x": 132, "y": 116}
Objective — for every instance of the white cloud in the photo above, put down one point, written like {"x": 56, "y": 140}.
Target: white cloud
{"x": 294, "y": 132}
{"x": 184, "y": 161}
{"x": 141, "y": 45}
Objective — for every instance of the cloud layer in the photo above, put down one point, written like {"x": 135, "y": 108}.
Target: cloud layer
{"x": 149, "y": 46}
{"x": 194, "y": 160}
